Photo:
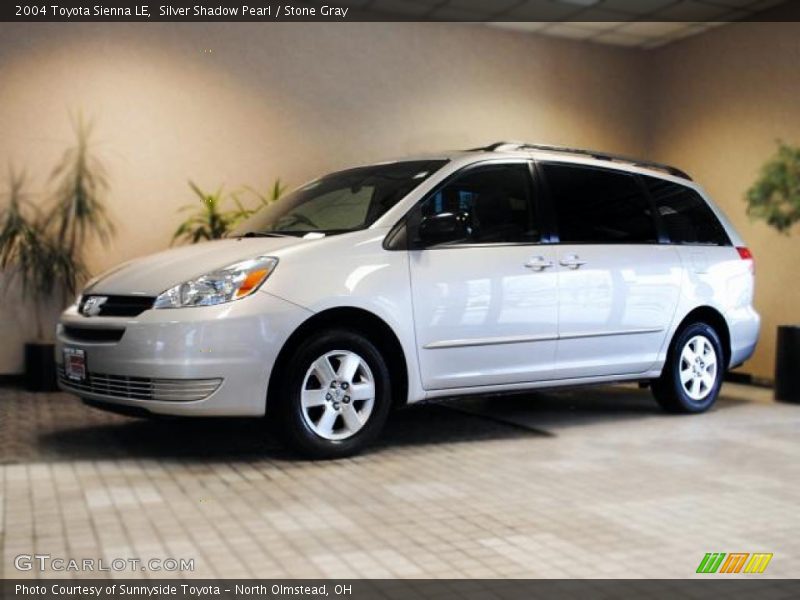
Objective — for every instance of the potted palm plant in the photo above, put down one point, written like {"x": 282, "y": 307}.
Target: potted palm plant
{"x": 775, "y": 198}
{"x": 212, "y": 220}
{"x": 42, "y": 247}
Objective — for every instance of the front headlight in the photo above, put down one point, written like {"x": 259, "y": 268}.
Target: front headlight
{"x": 223, "y": 285}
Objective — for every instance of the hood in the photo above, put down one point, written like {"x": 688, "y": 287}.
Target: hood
{"x": 151, "y": 275}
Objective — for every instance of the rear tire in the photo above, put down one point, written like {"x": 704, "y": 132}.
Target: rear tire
{"x": 692, "y": 375}
{"x": 335, "y": 396}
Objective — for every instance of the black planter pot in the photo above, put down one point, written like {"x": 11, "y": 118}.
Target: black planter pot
{"x": 787, "y": 364}
{"x": 40, "y": 367}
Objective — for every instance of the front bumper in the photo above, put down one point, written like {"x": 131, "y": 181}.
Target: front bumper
{"x": 204, "y": 361}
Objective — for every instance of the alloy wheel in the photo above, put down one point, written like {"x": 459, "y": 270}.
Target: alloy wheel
{"x": 337, "y": 395}
{"x": 698, "y": 367}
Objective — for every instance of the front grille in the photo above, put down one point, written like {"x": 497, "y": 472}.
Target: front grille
{"x": 93, "y": 334}
{"x": 142, "y": 388}
{"x": 120, "y": 306}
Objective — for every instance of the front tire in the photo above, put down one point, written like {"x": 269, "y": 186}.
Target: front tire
{"x": 692, "y": 375}
{"x": 335, "y": 396}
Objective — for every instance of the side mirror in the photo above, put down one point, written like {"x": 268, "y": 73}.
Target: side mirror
{"x": 442, "y": 228}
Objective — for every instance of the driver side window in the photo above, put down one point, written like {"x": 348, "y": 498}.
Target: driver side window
{"x": 494, "y": 202}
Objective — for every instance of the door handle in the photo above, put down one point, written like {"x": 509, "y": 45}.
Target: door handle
{"x": 572, "y": 261}
{"x": 538, "y": 263}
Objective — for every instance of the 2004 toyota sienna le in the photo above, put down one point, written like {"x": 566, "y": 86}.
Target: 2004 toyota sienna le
{"x": 502, "y": 268}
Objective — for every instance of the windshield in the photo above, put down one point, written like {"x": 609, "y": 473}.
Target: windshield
{"x": 340, "y": 202}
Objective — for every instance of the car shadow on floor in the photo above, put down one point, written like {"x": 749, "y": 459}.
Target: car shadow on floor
{"x": 86, "y": 434}
{"x": 217, "y": 439}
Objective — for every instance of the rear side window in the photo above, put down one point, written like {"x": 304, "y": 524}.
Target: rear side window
{"x": 686, "y": 216}
{"x": 600, "y": 206}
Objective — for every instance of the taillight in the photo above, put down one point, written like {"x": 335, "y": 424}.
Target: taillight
{"x": 745, "y": 254}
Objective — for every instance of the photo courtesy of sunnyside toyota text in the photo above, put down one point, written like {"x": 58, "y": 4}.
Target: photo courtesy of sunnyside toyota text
{"x": 399, "y": 299}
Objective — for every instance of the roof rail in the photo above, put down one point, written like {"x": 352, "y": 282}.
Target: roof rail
{"x": 500, "y": 146}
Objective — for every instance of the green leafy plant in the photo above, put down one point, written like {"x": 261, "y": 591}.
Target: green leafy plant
{"x": 42, "y": 247}
{"x": 775, "y": 196}
{"x": 212, "y": 220}
{"x": 31, "y": 255}
{"x": 206, "y": 223}
{"x": 277, "y": 190}
{"x": 81, "y": 186}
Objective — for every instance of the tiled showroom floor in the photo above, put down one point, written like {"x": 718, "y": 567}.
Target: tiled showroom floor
{"x": 585, "y": 483}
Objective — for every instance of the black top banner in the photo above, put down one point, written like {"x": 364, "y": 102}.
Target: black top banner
{"x": 362, "y": 10}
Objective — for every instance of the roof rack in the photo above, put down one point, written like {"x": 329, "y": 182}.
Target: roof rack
{"x": 500, "y": 146}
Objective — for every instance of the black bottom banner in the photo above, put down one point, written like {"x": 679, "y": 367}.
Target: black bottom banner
{"x": 358, "y": 589}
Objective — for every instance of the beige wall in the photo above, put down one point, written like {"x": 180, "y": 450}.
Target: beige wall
{"x": 294, "y": 100}
{"x": 289, "y": 100}
{"x": 719, "y": 101}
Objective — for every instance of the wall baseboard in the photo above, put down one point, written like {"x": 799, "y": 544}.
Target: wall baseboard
{"x": 748, "y": 379}
{"x": 12, "y": 380}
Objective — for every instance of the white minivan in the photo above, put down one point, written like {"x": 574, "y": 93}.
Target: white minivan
{"x": 509, "y": 267}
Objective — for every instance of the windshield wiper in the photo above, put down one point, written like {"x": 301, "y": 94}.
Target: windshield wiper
{"x": 252, "y": 234}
